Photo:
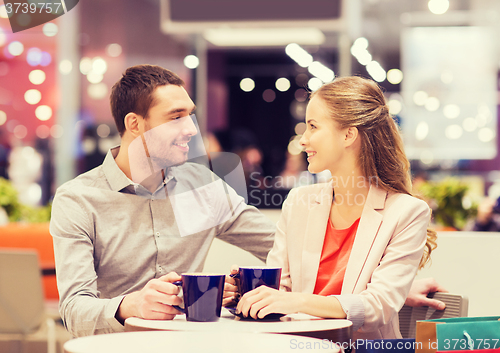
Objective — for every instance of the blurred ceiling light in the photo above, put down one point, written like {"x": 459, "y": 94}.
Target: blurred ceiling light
{"x": 20, "y": 131}
{"x": 486, "y": 134}
{"x": 103, "y": 130}
{"x": 432, "y": 104}
{"x": 322, "y": 72}
{"x": 294, "y": 147}
{"x": 191, "y": 61}
{"x": 97, "y": 90}
{"x": 421, "y": 131}
{"x": 376, "y": 71}
{"x": 3, "y": 117}
{"x": 114, "y": 50}
{"x": 395, "y": 106}
{"x": 314, "y": 83}
{"x": 469, "y": 124}
{"x": 269, "y": 95}
{"x": 282, "y": 84}
{"x": 43, "y": 112}
{"x": 395, "y": 76}
{"x": 420, "y": 97}
{"x": 43, "y": 131}
{"x": 241, "y": 37}
{"x": 50, "y": 29}
{"x": 56, "y": 131}
{"x": 46, "y": 59}
{"x": 37, "y": 77}
{"x": 301, "y": 95}
{"x": 451, "y": 111}
{"x": 299, "y": 54}
{"x": 438, "y": 7}
{"x": 85, "y": 65}
{"x": 447, "y": 77}
{"x": 65, "y": 66}
{"x": 300, "y": 128}
{"x": 453, "y": 132}
{"x": 32, "y": 96}
{"x": 3, "y": 12}
{"x": 426, "y": 157}
{"x": 99, "y": 65}
{"x": 94, "y": 77}
{"x": 34, "y": 56}
{"x": 364, "y": 58}
{"x": 3, "y": 37}
{"x": 247, "y": 84}
{"x": 360, "y": 45}
{"x": 15, "y": 48}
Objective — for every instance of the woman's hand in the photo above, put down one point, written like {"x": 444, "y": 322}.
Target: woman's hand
{"x": 265, "y": 300}
{"x": 231, "y": 293}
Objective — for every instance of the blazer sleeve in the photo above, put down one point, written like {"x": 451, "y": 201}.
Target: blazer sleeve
{"x": 278, "y": 256}
{"x": 390, "y": 282}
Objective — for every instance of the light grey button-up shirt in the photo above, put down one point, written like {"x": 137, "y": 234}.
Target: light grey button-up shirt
{"x": 111, "y": 236}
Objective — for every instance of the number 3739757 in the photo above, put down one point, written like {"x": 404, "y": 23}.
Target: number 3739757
{"x": 34, "y": 7}
{"x": 488, "y": 343}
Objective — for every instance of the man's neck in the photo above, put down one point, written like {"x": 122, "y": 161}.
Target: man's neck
{"x": 122, "y": 160}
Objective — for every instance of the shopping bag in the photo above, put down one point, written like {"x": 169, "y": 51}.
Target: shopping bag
{"x": 460, "y": 333}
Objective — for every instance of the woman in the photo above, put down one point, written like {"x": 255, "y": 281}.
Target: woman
{"x": 349, "y": 248}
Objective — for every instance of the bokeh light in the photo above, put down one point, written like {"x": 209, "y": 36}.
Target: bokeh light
{"x": 103, "y": 130}
{"x": 97, "y": 90}
{"x": 395, "y": 76}
{"x": 37, "y": 77}
{"x": 282, "y": 84}
{"x": 32, "y": 96}
{"x": 247, "y": 84}
{"x": 269, "y": 95}
{"x": 438, "y": 7}
{"x": 314, "y": 83}
{"x": 3, "y": 117}
{"x": 50, "y": 29}
{"x": 65, "y": 66}
{"x": 191, "y": 61}
{"x": 56, "y": 131}
{"x": 114, "y": 50}
{"x": 15, "y": 48}
{"x": 43, "y": 112}
{"x": 43, "y": 131}
{"x": 20, "y": 131}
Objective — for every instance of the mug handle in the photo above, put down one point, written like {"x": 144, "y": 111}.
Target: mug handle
{"x": 182, "y": 310}
{"x": 237, "y": 276}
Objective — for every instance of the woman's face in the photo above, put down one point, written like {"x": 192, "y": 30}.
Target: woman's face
{"x": 323, "y": 141}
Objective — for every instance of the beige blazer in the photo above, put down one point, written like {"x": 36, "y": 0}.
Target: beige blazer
{"x": 384, "y": 259}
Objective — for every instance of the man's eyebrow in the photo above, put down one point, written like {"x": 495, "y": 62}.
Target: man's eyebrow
{"x": 179, "y": 110}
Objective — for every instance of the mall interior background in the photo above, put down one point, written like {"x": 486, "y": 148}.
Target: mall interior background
{"x": 436, "y": 60}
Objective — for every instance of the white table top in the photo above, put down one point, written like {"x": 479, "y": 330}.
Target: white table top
{"x": 196, "y": 342}
{"x": 292, "y": 323}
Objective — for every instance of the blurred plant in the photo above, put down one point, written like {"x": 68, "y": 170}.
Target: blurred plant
{"x": 447, "y": 198}
{"x": 18, "y": 212}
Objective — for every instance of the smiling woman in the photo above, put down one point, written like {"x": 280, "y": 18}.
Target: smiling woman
{"x": 349, "y": 248}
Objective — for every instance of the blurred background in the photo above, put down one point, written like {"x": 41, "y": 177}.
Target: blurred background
{"x": 249, "y": 66}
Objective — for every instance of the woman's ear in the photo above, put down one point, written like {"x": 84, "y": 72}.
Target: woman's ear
{"x": 132, "y": 124}
{"x": 351, "y": 135}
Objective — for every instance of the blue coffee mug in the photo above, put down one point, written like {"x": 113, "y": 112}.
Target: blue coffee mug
{"x": 253, "y": 277}
{"x": 202, "y": 296}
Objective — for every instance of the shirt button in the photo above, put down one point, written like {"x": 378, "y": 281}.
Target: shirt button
{"x": 157, "y": 234}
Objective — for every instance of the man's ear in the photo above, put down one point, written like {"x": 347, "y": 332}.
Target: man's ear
{"x": 351, "y": 135}
{"x": 132, "y": 124}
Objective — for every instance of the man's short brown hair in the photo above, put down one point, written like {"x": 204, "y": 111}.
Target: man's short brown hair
{"x": 133, "y": 93}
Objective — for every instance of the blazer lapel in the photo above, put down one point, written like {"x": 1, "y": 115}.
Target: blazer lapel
{"x": 318, "y": 214}
{"x": 368, "y": 227}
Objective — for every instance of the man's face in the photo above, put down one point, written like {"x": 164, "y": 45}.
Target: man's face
{"x": 168, "y": 127}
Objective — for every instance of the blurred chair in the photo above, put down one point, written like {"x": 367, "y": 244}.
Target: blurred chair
{"x": 22, "y": 308}
{"x": 456, "y": 306}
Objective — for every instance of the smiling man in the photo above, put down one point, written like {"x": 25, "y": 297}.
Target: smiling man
{"x": 124, "y": 231}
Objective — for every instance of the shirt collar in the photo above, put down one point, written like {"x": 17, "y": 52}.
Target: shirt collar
{"x": 115, "y": 176}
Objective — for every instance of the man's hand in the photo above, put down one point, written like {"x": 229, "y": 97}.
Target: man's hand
{"x": 231, "y": 294}
{"x": 419, "y": 290}
{"x": 154, "y": 301}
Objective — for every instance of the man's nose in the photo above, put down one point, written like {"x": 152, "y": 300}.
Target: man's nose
{"x": 189, "y": 128}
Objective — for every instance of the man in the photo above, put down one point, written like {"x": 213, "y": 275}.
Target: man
{"x": 123, "y": 231}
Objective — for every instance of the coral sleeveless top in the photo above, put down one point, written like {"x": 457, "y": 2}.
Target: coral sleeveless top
{"x": 334, "y": 256}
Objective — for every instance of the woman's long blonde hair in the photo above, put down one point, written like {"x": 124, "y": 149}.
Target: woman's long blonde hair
{"x": 358, "y": 102}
